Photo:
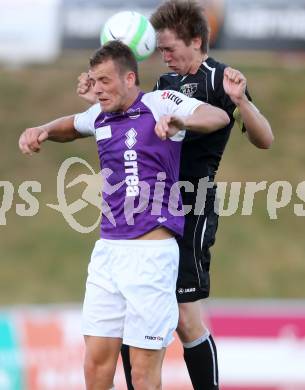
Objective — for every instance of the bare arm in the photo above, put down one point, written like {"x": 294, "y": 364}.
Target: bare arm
{"x": 258, "y": 128}
{"x": 205, "y": 119}
{"x": 59, "y": 130}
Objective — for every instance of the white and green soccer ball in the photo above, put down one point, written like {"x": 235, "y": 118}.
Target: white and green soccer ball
{"x": 133, "y": 29}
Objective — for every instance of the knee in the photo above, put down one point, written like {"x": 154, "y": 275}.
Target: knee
{"x": 184, "y": 326}
{"x": 190, "y": 325}
{"x": 141, "y": 380}
{"x": 89, "y": 367}
{"x": 95, "y": 370}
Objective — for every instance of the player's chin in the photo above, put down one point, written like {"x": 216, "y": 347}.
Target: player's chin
{"x": 106, "y": 105}
{"x": 174, "y": 68}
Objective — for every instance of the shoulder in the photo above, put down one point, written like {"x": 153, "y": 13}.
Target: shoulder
{"x": 211, "y": 63}
{"x": 169, "y": 76}
{"x": 84, "y": 121}
{"x": 92, "y": 111}
{"x": 214, "y": 69}
{"x": 169, "y": 102}
{"x": 163, "y": 96}
{"x": 166, "y": 80}
{"x": 155, "y": 98}
{"x": 217, "y": 96}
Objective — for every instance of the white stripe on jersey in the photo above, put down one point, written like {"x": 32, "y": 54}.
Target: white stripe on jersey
{"x": 213, "y": 70}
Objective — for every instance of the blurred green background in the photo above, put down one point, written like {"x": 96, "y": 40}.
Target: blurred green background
{"x": 42, "y": 259}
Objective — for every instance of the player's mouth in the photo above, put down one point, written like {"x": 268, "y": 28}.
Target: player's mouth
{"x": 172, "y": 67}
{"x": 106, "y": 104}
{"x": 104, "y": 101}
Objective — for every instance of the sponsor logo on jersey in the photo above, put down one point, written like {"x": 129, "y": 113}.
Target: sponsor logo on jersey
{"x": 131, "y": 139}
{"x": 158, "y": 338}
{"x": 171, "y": 96}
{"x": 131, "y": 164}
{"x": 189, "y": 89}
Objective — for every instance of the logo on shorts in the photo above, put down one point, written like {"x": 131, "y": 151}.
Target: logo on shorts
{"x": 186, "y": 290}
{"x": 158, "y": 338}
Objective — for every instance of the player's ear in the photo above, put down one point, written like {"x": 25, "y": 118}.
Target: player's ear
{"x": 130, "y": 79}
{"x": 197, "y": 41}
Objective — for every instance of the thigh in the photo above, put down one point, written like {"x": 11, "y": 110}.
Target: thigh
{"x": 148, "y": 284}
{"x": 104, "y": 306}
{"x": 102, "y": 351}
{"x": 199, "y": 235}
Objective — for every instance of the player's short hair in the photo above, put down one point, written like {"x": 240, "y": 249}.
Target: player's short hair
{"x": 184, "y": 17}
{"x": 120, "y": 54}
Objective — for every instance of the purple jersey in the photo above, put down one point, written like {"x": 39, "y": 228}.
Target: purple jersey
{"x": 140, "y": 172}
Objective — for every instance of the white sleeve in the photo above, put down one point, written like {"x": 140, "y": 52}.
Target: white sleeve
{"x": 169, "y": 102}
{"x": 84, "y": 121}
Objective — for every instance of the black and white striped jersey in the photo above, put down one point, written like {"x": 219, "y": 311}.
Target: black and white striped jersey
{"x": 201, "y": 154}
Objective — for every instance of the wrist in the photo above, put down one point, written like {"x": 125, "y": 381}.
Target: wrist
{"x": 44, "y": 128}
{"x": 186, "y": 123}
{"x": 240, "y": 101}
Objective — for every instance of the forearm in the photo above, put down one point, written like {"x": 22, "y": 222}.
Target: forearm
{"x": 258, "y": 128}
{"x": 206, "y": 119}
{"x": 61, "y": 129}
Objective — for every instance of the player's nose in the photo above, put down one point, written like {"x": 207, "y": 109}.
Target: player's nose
{"x": 166, "y": 56}
{"x": 97, "y": 88}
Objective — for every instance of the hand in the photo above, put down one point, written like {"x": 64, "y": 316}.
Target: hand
{"x": 168, "y": 125}
{"x": 31, "y": 139}
{"x": 84, "y": 89}
{"x": 234, "y": 84}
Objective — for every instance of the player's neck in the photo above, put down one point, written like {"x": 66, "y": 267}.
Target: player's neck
{"x": 197, "y": 62}
{"x": 132, "y": 97}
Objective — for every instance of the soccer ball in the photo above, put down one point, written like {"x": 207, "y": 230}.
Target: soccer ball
{"x": 133, "y": 29}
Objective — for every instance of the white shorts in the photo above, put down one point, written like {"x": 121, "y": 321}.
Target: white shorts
{"x": 130, "y": 292}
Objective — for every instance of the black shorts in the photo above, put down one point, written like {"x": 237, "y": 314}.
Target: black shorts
{"x": 193, "y": 281}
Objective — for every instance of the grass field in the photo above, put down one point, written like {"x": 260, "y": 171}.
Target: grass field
{"x": 43, "y": 260}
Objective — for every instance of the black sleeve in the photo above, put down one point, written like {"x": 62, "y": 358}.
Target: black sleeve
{"x": 165, "y": 82}
{"x": 224, "y": 100}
